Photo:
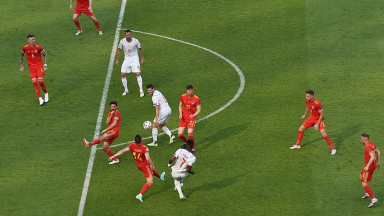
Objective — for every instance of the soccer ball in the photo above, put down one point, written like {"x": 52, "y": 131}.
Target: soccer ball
{"x": 147, "y": 125}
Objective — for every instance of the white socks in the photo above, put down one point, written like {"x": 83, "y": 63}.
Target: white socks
{"x": 167, "y": 131}
{"x": 178, "y": 187}
{"x": 125, "y": 84}
{"x": 154, "y": 134}
{"x": 140, "y": 83}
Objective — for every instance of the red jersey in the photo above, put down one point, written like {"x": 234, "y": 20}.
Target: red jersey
{"x": 116, "y": 116}
{"x": 138, "y": 153}
{"x": 189, "y": 104}
{"x": 314, "y": 106}
{"x": 370, "y": 147}
{"x": 82, "y": 4}
{"x": 33, "y": 55}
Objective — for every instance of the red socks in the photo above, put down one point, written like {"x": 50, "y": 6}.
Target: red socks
{"x": 110, "y": 153}
{"x": 329, "y": 142}
{"x": 182, "y": 137}
{"x": 77, "y": 24}
{"x": 37, "y": 90}
{"x": 190, "y": 136}
{"x": 369, "y": 191}
{"x": 299, "y": 137}
{"x": 96, "y": 141}
{"x": 97, "y": 25}
{"x": 42, "y": 84}
{"x": 155, "y": 173}
{"x": 145, "y": 187}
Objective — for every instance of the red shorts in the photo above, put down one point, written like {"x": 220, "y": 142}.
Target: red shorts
{"x": 366, "y": 176}
{"x": 146, "y": 169}
{"x": 190, "y": 123}
{"x": 36, "y": 72}
{"x": 112, "y": 135}
{"x": 79, "y": 10}
{"x": 312, "y": 121}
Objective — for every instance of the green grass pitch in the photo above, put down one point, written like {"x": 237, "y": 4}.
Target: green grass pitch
{"x": 244, "y": 165}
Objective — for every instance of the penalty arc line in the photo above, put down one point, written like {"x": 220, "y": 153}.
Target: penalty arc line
{"x": 101, "y": 110}
{"x": 237, "y": 95}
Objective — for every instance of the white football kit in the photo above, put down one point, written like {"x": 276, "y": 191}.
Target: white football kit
{"x": 184, "y": 159}
{"x": 165, "y": 111}
{"x": 131, "y": 58}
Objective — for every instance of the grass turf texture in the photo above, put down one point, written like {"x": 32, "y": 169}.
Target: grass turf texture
{"x": 244, "y": 165}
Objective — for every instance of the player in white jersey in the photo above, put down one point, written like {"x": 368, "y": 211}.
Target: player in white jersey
{"x": 183, "y": 166}
{"x": 131, "y": 62}
{"x": 163, "y": 112}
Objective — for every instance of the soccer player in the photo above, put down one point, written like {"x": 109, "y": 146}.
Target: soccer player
{"x": 163, "y": 112}
{"x": 189, "y": 108}
{"x": 36, "y": 68}
{"x": 316, "y": 119}
{"x": 144, "y": 163}
{"x": 371, "y": 162}
{"x": 84, "y": 6}
{"x": 131, "y": 62}
{"x": 110, "y": 133}
{"x": 183, "y": 166}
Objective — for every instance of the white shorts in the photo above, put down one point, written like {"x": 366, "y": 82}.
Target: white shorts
{"x": 164, "y": 116}
{"x": 129, "y": 68}
{"x": 178, "y": 174}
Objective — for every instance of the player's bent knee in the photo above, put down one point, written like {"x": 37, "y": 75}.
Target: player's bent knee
{"x": 180, "y": 135}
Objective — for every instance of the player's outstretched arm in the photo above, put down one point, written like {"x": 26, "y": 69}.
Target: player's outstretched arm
{"x": 149, "y": 160}
{"x": 305, "y": 113}
{"x": 180, "y": 110}
{"x": 122, "y": 151}
{"x": 21, "y": 61}
{"x": 45, "y": 59}
{"x": 378, "y": 159}
{"x": 171, "y": 160}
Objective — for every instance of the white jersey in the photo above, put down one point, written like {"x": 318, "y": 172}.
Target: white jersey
{"x": 158, "y": 99}
{"x": 131, "y": 56}
{"x": 184, "y": 159}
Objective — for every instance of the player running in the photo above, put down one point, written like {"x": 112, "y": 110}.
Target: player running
{"x": 110, "y": 133}
{"x": 371, "y": 162}
{"x": 189, "y": 108}
{"x": 84, "y": 6}
{"x": 316, "y": 119}
{"x": 36, "y": 68}
{"x": 163, "y": 113}
{"x": 131, "y": 62}
{"x": 183, "y": 166}
{"x": 144, "y": 163}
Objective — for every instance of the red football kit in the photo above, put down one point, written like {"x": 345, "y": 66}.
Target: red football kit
{"x": 138, "y": 153}
{"x": 366, "y": 176}
{"x": 82, "y": 6}
{"x": 314, "y": 106}
{"x": 34, "y": 60}
{"x": 115, "y": 131}
{"x": 189, "y": 107}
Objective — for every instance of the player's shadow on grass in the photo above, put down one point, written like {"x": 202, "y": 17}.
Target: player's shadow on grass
{"x": 222, "y": 134}
{"x": 216, "y": 184}
{"x": 338, "y": 136}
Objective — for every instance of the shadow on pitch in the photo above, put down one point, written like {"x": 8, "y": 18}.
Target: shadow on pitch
{"x": 338, "y": 136}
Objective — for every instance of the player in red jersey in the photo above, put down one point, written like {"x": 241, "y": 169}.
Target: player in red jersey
{"x": 110, "y": 133}
{"x": 189, "y": 108}
{"x": 371, "y": 162}
{"x": 36, "y": 68}
{"x": 316, "y": 119}
{"x": 84, "y": 6}
{"x": 140, "y": 154}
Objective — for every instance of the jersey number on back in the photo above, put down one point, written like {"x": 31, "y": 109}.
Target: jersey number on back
{"x": 183, "y": 162}
{"x": 137, "y": 157}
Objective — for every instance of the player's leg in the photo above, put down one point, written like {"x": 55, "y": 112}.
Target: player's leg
{"x": 366, "y": 177}
{"x": 166, "y": 130}
{"x": 300, "y": 132}
{"x": 108, "y": 151}
{"x": 178, "y": 188}
{"x": 139, "y": 80}
{"x": 180, "y": 131}
{"x": 326, "y": 137}
{"x": 75, "y": 17}
{"x": 40, "y": 79}
{"x": 154, "y": 133}
{"x": 96, "y": 141}
{"x": 96, "y": 22}
{"x": 148, "y": 175}
{"x": 124, "y": 70}
{"x": 34, "y": 78}
{"x": 191, "y": 137}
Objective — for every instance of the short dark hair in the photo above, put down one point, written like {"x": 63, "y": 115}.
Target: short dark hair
{"x": 189, "y": 143}
{"x": 149, "y": 86}
{"x": 128, "y": 30}
{"x": 189, "y": 87}
{"x": 311, "y": 92}
{"x": 30, "y": 36}
{"x": 138, "y": 139}
{"x": 365, "y": 135}
{"x": 113, "y": 102}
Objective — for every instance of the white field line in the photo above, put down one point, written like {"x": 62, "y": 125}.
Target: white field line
{"x": 101, "y": 111}
{"x": 237, "y": 95}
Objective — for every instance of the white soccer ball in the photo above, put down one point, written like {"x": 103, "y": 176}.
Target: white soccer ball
{"x": 147, "y": 125}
